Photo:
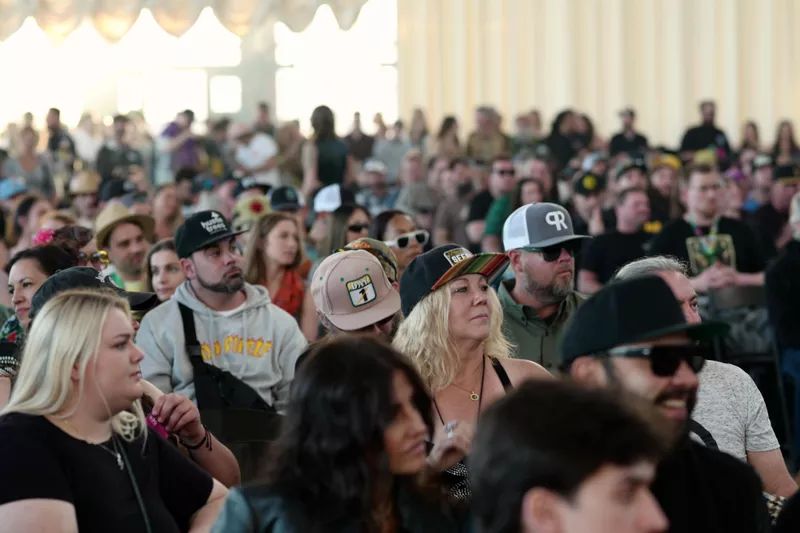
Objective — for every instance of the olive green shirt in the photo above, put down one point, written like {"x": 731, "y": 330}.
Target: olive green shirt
{"x": 534, "y": 338}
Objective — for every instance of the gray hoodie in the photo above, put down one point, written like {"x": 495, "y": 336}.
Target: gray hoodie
{"x": 258, "y": 343}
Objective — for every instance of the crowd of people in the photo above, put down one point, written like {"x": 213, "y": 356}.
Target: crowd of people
{"x": 247, "y": 330}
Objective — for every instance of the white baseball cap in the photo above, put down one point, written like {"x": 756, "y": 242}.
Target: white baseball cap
{"x": 538, "y": 226}
{"x": 331, "y": 198}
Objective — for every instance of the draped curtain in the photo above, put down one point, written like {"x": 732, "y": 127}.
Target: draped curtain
{"x": 113, "y": 18}
{"x": 660, "y": 56}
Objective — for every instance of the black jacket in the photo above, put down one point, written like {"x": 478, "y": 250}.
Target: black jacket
{"x": 783, "y": 294}
{"x": 265, "y": 509}
{"x": 707, "y": 491}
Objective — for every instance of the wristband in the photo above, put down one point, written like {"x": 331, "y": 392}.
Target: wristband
{"x": 204, "y": 441}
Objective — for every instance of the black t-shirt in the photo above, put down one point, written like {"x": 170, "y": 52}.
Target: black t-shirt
{"x": 706, "y": 491}
{"x": 704, "y": 137}
{"x": 605, "y": 254}
{"x": 479, "y": 206}
{"x": 43, "y": 462}
{"x": 621, "y": 143}
{"x": 737, "y": 246}
{"x": 116, "y": 161}
{"x": 768, "y": 224}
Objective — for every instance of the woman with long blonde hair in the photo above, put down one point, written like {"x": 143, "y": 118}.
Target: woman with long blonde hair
{"x": 83, "y": 458}
{"x": 453, "y": 335}
{"x": 274, "y": 253}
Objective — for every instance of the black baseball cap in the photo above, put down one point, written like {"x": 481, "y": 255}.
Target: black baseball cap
{"x": 787, "y": 173}
{"x": 630, "y": 165}
{"x": 201, "y": 230}
{"x": 87, "y": 278}
{"x": 627, "y": 312}
{"x": 434, "y": 268}
{"x": 284, "y": 198}
{"x": 115, "y": 188}
{"x": 588, "y": 183}
{"x": 245, "y": 184}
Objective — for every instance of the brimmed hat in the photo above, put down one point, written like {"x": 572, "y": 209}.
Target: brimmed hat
{"x": 84, "y": 183}
{"x": 380, "y": 250}
{"x": 285, "y": 198}
{"x": 352, "y": 291}
{"x": 537, "y": 226}
{"x": 434, "y": 268}
{"x": 201, "y": 230}
{"x": 332, "y": 197}
{"x": 786, "y": 173}
{"x": 666, "y": 160}
{"x": 87, "y": 278}
{"x": 628, "y": 312}
{"x": 630, "y": 165}
{"x": 115, "y": 214}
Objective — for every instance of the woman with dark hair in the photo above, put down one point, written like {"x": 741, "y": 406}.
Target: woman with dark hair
{"x": 399, "y": 231}
{"x": 527, "y": 191}
{"x": 559, "y": 139}
{"x": 348, "y": 223}
{"x": 352, "y": 454}
{"x": 27, "y": 220}
{"x": 751, "y": 140}
{"x": 785, "y": 148}
{"x": 82, "y": 241}
{"x": 163, "y": 271}
{"x": 446, "y": 143}
{"x": 325, "y": 157}
{"x": 26, "y": 271}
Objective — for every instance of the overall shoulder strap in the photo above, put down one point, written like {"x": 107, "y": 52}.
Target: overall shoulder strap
{"x": 502, "y": 375}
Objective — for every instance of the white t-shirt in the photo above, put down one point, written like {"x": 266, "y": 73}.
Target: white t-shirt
{"x": 731, "y": 408}
{"x": 260, "y": 149}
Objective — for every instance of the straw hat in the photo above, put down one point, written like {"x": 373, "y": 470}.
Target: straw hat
{"x": 85, "y": 183}
{"x": 114, "y": 214}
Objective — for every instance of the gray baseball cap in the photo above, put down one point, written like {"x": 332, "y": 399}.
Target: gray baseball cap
{"x": 538, "y": 226}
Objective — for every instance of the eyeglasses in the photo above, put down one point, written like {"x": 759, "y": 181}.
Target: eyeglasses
{"x": 551, "y": 253}
{"x": 357, "y": 228}
{"x": 97, "y": 258}
{"x": 379, "y": 324}
{"x": 405, "y": 240}
{"x": 665, "y": 360}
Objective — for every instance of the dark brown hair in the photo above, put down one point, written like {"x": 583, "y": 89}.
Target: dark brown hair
{"x": 255, "y": 268}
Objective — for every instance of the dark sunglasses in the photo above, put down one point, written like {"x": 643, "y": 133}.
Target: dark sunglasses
{"x": 97, "y": 258}
{"x": 379, "y": 324}
{"x": 357, "y": 228}
{"x": 505, "y": 172}
{"x": 404, "y": 241}
{"x": 552, "y": 253}
{"x": 665, "y": 360}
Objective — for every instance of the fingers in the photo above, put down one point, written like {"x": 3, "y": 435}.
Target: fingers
{"x": 190, "y": 417}
{"x": 180, "y": 410}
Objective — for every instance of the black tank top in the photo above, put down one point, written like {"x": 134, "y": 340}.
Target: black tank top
{"x": 455, "y": 478}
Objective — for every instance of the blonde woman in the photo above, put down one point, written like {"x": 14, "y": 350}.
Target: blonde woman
{"x": 82, "y": 460}
{"x": 274, "y": 252}
{"x": 452, "y": 332}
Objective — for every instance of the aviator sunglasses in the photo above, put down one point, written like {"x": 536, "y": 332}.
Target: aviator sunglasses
{"x": 665, "y": 360}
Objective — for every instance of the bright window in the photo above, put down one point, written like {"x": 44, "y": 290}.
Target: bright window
{"x": 348, "y": 71}
{"x": 225, "y": 94}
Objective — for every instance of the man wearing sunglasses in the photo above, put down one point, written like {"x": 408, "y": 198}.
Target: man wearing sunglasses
{"x": 632, "y": 336}
{"x": 541, "y": 243}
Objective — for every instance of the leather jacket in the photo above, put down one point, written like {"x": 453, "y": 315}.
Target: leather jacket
{"x": 264, "y": 509}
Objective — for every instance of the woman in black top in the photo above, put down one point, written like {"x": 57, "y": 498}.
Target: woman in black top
{"x": 326, "y": 158}
{"x": 80, "y": 455}
{"x": 352, "y": 453}
{"x": 453, "y": 334}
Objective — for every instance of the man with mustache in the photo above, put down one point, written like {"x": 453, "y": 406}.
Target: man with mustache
{"x": 238, "y": 329}
{"x": 541, "y": 242}
{"x": 632, "y": 337}
{"x": 127, "y": 237}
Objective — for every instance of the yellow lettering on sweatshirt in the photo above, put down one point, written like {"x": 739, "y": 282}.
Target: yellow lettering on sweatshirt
{"x": 234, "y": 344}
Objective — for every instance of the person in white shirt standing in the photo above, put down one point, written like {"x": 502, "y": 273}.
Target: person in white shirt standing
{"x": 255, "y": 154}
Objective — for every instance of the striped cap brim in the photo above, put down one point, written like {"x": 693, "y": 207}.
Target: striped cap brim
{"x": 490, "y": 265}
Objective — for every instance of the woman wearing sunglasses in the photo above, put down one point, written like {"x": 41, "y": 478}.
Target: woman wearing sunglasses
{"x": 346, "y": 224}
{"x": 399, "y": 231}
{"x": 453, "y": 334}
{"x": 82, "y": 239}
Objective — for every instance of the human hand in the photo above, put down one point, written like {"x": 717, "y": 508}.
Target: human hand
{"x": 180, "y": 416}
{"x": 451, "y": 446}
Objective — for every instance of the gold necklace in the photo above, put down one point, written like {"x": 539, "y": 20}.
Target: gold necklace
{"x": 115, "y": 453}
{"x": 474, "y": 396}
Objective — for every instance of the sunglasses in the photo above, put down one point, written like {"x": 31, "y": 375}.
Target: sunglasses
{"x": 665, "y": 360}
{"x": 97, "y": 258}
{"x": 406, "y": 239}
{"x": 551, "y": 253}
{"x": 505, "y": 172}
{"x": 368, "y": 329}
{"x": 357, "y": 228}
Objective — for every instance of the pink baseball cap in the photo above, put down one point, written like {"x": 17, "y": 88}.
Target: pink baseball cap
{"x": 351, "y": 289}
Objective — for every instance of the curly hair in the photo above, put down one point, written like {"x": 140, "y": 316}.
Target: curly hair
{"x": 331, "y": 453}
{"x": 424, "y": 337}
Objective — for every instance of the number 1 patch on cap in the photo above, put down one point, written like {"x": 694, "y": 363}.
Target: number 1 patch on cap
{"x": 361, "y": 290}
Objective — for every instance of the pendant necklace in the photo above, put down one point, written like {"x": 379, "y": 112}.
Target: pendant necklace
{"x": 474, "y": 396}
{"x": 114, "y": 453}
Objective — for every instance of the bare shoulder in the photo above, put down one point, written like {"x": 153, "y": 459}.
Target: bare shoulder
{"x": 520, "y": 370}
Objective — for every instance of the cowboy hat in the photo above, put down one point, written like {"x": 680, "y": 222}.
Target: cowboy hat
{"x": 114, "y": 214}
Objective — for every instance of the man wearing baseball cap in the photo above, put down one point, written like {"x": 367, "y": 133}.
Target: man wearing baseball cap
{"x": 541, "y": 243}
{"x": 352, "y": 294}
{"x": 588, "y": 194}
{"x": 771, "y": 220}
{"x": 632, "y": 336}
{"x": 219, "y": 340}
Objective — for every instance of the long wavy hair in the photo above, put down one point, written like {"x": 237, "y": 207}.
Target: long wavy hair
{"x": 67, "y": 334}
{"x": 255, "y": 264}
{"x": 331, "y": 453}
{"x": 337, "y": 229}
{"x": 424, "y": 337}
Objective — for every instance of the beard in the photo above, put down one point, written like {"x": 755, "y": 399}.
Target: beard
{"x": 231, "y": 283}
{"x": 131, "y": 268}
{"x": 554, "y": 292}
